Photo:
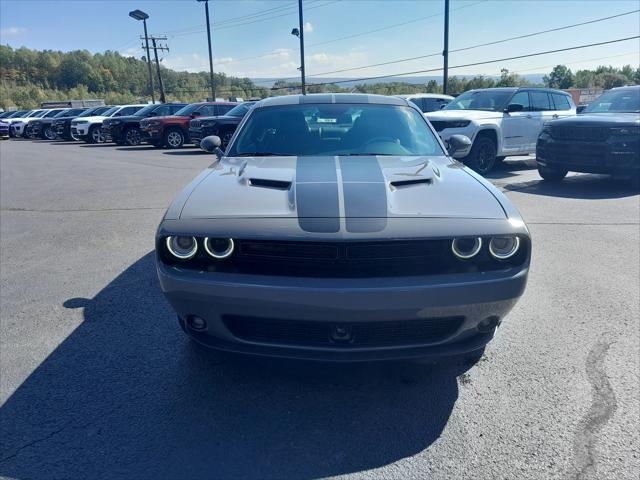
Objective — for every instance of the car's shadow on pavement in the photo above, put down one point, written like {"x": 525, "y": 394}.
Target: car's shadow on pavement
{"x": 582, "y": 186}
{"x": 138, "y": 148}
{"x": 186, "y": 152}
{"x": 126, "y": 395}
{"x": 510, "y": 169}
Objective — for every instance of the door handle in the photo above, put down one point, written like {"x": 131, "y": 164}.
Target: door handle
{"x": 555, "y": 115}
{"x": 529, "y": 116}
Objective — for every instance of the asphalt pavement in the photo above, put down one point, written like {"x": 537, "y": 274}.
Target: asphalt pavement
{"x": 98, "y": 381}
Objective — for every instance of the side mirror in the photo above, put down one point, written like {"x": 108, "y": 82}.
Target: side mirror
{"x": 458, "y": 143}
{"x": 153, "y": 114}
{"x": 212, "y": 144}
{"x": 580, "y": 108}
{"x": 196, "y": 114}
{"x": 514, "y": 107}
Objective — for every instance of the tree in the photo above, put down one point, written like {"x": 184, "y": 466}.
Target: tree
{"x": 560, "y": 77}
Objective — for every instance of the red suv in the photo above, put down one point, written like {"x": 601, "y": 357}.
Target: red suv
{"x": 172, "y": 131}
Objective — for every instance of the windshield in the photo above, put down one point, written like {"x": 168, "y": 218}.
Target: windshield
{"x": 146, "y": 110}
{"x": 95, "y": 111}
{"x": 616, "y": 101}
{"x": 36, "y": 114}
{"x": 486, "y": 100}
{"x": 188, "y": 109}
{"x": 239, "y": 110}
{"x": 52, "y": 113}
{"x": 18, "y": 114}
{"x": 335, "y": 129}
{"x": 108, "y": 113}
{"x": 61, "y": 113}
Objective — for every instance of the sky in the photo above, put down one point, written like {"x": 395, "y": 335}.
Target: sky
{"x": 252, "y": 38}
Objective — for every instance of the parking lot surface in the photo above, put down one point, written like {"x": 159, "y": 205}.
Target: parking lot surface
{"x": 98, "y": 381}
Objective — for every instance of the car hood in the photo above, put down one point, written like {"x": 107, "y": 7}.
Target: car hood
{"x": 98, "y": 118}
{"x": 128, "y": 118}
{"x": 171, "y": 118}
{"x": 600, "y": 119}
{"x": 445, "y": 115}
{"x": 321, "y": 188}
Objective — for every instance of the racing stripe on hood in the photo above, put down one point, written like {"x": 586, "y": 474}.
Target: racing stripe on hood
{"x": 365, "y": 194}
{"x": 316, "y": 190}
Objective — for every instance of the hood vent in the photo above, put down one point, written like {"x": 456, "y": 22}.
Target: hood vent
{"x": 410, "y": 183}
{"x": 267, "y": 183}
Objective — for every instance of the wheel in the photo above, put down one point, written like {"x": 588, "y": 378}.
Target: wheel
{"x": 173, "y": 138}
{"x": 28, "y": 133}
{"x": 482, "y": 157}
{"x": 551, "y": 174}
{"x": 95, "y": 134}
{"x": 132, "y": 136}
{"x": 49, "y": 134}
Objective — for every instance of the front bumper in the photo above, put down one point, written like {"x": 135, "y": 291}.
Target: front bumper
{"x": 617, "y": 156}
{"x": 113, "y": 133}
{"x": 63, "y": 130}
{"x": 335, "y": 302}
{"x": 151, "y": 133}
{"x": 80, "y": 129}
{"x": 17, "y": 129}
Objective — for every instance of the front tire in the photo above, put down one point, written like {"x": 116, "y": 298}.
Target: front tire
{"x": 173, "y": 138}
{"x": 552, "y": 174}
{"x": 483, "y": 155}
{"x": 49, "y": 134}
{"x": 95, "y": 134}
{"x": 132, "y": 136}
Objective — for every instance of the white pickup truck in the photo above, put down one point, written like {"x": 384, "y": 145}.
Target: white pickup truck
{"x": 499, "y": 121}
{"x": 89, "y": 129}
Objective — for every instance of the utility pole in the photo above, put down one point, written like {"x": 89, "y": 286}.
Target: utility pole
{"x": 301, "y": 27}
{"x": 163, "y": 48}
{"x": 445, "y": 52}
{"x": 213, "y": 88}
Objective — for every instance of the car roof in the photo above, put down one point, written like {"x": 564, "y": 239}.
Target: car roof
{"x": 627, "y": 87}
{"x": 409, "y": 96}
{"x": 362, "y": 98}
{"x": 515, "y": 89}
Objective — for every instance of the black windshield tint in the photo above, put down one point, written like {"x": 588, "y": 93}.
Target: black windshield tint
{"x": 52, "y": 113}
{"x": 486, "y": 100}
{"x": 616, "y": 101}
{"x": 335, "y": 129}
{"x": 95, "y": 111}
{"x": 61, "y": 114}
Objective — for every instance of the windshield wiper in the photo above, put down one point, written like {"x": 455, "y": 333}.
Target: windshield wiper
{"x": 262, "y": 154}
{"x": 367, "y": 154}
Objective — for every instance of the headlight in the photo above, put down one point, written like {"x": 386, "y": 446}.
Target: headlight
{"x": 183, "y": 248}
{"x": 219, "y": 248}
{"x": 153, "y": 123}
{"x": 504, "y": 247}
{"x": 114, "y": 122}
{"x": 625, "y": 131}
{"x": 458, "y": 124}
{"x": 466, "y": 248}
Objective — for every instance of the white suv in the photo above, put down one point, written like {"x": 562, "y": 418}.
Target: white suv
{"x": 428, "y": 102}
{"x": 89, "y": 129}
{"x": 499, "y": 121}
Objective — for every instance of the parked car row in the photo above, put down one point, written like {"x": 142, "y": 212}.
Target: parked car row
{"x": 498, "y": 122}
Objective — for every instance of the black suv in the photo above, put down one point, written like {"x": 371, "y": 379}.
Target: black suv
{"x": 223, "y": 126}
{"x": 604, "y": 138}
{"x": 45, "y": 127}
{"x": 62, "y": 125}
{"x": 126, "y": 130}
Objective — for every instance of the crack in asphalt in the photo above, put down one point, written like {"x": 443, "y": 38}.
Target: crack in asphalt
{"x": 34, "y": 442}
{"x": 603, "y": 406}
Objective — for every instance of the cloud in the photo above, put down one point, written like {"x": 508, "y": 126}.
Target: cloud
{"x": 12, "y": 31}
{"x": 279, "y": 53}
{"x": 222, "y": 61}
{"x": 307, "y": 28}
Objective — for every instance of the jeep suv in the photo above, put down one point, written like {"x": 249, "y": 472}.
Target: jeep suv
{"x": 499, "y": 121}
{"x": 62, "y": 125}
{"x": 223, "y": 126}
{"x": 44, "y": 127}
{"x": 89, "y": 129}
{"x": 126, "y": 130}
{"x": 173, "y": 131}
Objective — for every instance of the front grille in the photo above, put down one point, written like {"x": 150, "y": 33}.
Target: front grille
{"x": 307, "y": 333}
{"x": 577, "y": 154}
{"x": 393, "y": 258}
{"x": 580, "y": 133}
{"x": 195, "y": 124}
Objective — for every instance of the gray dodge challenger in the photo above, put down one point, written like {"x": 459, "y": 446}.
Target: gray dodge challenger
{"x": 338, "y": 227}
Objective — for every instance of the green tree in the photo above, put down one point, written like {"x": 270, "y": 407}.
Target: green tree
{"x": 560, "y": 77}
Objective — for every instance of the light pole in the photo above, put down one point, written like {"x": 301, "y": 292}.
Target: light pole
{"x": 140, "y": 15}
{"x": 299, "y": 32}
{"x": 213, "y": 88}
{"x": 445, "y": 52}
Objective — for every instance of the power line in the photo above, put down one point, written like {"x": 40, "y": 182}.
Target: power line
{"x": 602, "y": 19}
{"x": 476, "y": 63}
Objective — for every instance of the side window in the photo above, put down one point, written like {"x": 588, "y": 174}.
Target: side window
{"x": 174, "y": 108}
{"x": 419, "y": 103}
{"x": 128, "y": 111}
{"x": 561, "y": 101}
{"x": 207, "y": 110}
{"x": 540, "y": 101}
{"x": 222, "y": 109}
{"x": 162, "y": 111}
{"x": 521, "y": 98}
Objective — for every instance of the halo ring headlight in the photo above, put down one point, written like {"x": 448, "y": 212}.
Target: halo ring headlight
{"x": 183, "y": 248}
{"x": 466, "y": 248}
{"x": 221, "y": 251}
{"x": 504, "y": 247}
